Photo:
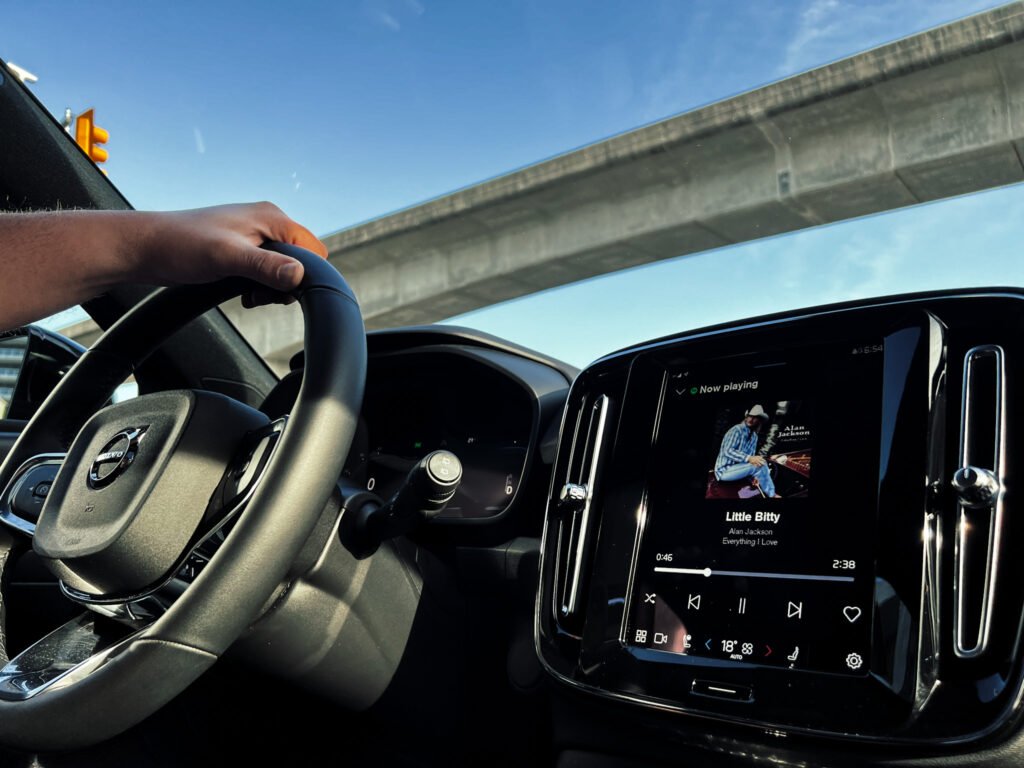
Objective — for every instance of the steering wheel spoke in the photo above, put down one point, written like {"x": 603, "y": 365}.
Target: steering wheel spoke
{"x": 63, "y": 657}
{"x": 25, "y": 494}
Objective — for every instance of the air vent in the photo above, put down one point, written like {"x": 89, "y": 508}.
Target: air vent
{"x": 574, "y": 506}
{"x": 978, "y": 484}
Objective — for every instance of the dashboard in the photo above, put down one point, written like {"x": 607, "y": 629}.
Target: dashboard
{"x": 786, "y": 540}
{"x": 761, "y": 539}
{"x": 457, "y": 400}
{"x": 797, "y": 526}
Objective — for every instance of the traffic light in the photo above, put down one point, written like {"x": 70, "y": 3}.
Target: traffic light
{"x": 88, "y": 136}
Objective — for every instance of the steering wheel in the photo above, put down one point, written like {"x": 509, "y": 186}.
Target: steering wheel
{"x": 146, "y": 489}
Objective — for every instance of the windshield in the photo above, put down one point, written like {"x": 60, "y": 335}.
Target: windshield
{"x": 341, "y": 113}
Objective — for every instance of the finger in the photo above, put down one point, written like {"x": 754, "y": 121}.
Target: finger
{"x": 274, "y": 270}
{"x": 309, "y": 241}
{"x": 286, "y": 230}
{"x": 260, "y": 298}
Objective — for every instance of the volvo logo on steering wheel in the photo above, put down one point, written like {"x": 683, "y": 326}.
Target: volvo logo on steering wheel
{"x": 117, "y": 455}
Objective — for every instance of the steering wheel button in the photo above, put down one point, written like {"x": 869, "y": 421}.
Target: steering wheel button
{"x": 192, "y": 567}
{"x": 253, "y": 464}
{"x": 31, "y": 491}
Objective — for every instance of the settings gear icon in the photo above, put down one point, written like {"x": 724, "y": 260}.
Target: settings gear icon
{"x": 854, "y": 661}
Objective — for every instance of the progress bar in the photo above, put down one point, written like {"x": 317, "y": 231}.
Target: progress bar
{"x": 752, "y": 574}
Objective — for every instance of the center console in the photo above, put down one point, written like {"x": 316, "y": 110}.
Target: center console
{"x": 800, "y": 524}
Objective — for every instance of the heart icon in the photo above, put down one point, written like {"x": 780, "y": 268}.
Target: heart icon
{"x": 852, "y": 613}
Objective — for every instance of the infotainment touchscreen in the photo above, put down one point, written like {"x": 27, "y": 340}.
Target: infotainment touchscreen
{"x": 757, "y": 546}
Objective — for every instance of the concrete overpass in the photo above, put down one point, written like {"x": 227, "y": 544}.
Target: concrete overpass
{"x": 933, "y": 115}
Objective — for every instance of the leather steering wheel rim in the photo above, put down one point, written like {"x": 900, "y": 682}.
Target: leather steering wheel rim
{"x": 161, "y": 660}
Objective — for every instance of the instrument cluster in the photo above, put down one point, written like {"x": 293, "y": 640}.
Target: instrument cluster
{"x": 456, "y": 399}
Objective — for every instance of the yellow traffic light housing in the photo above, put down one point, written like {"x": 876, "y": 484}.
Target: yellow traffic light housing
{"x": 88, "y": 136}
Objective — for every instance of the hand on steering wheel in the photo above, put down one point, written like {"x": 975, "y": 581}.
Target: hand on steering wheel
{"x": 143, "y": 482}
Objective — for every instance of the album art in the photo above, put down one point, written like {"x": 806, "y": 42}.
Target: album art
{"x": 761, "y": 449}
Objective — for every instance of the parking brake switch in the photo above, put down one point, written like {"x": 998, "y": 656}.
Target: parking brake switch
{"x": 427, "y": 489}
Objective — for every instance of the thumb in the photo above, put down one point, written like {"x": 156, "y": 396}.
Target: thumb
{"x": 274, "y": 270}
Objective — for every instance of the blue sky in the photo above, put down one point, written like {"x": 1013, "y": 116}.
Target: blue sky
{"x": 344, "y": 111}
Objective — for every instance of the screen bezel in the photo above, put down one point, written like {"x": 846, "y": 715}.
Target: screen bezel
{"x": 864, "y": 706}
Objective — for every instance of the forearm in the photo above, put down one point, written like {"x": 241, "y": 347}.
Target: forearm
{"x": 51, "y": 260}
